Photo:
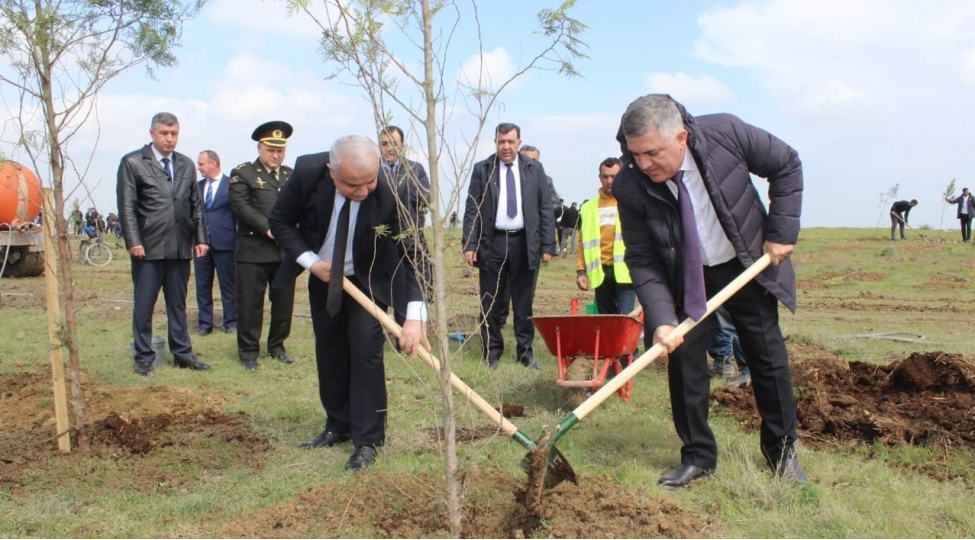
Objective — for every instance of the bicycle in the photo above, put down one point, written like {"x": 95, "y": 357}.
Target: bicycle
{"x": 97, "y": 253}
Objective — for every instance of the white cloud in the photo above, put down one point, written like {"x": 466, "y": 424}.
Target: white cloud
{"x": 870, "y": 52}
{"x": 967, "y": 68}
{"x": 258, "y": 19}
{"x": 488, "y": 70}
{"x": 690, "y": 90}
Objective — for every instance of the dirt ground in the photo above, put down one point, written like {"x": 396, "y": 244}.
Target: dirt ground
{"x": 924, "y": 399}
{"x": 159, "y": 420}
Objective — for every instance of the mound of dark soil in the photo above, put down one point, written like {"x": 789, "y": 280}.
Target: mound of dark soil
{"x": 125, "y": 422}
{"x": 925, "y": 399}
{"x": 406, "y": 506}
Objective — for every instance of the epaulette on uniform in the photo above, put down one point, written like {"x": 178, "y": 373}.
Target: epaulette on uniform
{"x": 244, "y": 164}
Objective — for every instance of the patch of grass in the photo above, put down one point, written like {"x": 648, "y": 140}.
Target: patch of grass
{"x": 856, "y": 282}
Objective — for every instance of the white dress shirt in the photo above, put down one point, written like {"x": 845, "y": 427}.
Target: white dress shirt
{"x": 715, "y": 246}
{"x": 416, "y": 310}
{"x": 502, "y": 221}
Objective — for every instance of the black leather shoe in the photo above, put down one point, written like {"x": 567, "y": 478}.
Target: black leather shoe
{"x": 787, "y": 467}
{"x": 361, "y": 458}
{"x": 683, "y": 475}
{"x": 191, "y": 362}
{"x": 230, "y": 330}
{"x": 491, "y": 363}
{"x": 205, "y": 332}
{"x": 249, "y": 365}
{"x": 325, "y": 439}
{"x": 144, "y": 368}
{"x": 283, "y": 357}
{"x": 532, "y": 365}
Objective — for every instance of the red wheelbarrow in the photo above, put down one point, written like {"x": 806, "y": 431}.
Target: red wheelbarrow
{"x": 606, "y": 339}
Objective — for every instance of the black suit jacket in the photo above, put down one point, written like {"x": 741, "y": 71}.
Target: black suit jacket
{"x": 300, "y": 218}
{"x": 482, "y": 208}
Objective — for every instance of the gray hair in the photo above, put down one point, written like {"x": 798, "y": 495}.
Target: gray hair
{"x": 361, "y": 150}
{"x": 652, "y": 112}
{"x": 165, "y": 119}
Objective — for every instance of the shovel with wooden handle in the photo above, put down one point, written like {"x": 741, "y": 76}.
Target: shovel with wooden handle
{"x": 902, "y": 220}
{"x": 537, "y": 458}
{"x": 557, "y": 468}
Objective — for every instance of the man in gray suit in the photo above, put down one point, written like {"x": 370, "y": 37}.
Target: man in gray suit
{"x": 508, "y": 229}
{"x": 162, "y": 221}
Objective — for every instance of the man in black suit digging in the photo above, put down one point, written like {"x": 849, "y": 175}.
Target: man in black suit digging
{"x": 335, "y": 209}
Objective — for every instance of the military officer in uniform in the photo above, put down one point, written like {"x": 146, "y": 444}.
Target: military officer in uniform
{"x": 254, "y": 188}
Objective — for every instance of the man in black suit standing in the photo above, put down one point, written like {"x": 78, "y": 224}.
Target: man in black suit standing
{"x": 409, "y": 181}
{"x": 336, "y": 219}
{"x": 691, "y": 221}
{"x": 222, "y": 230}
{"x": 162, "y": 220}
{"x": 253, "y": 189}
{"x": 508, "y": 228}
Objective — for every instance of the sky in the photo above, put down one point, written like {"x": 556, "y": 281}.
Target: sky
{"x": 872, "y": 94}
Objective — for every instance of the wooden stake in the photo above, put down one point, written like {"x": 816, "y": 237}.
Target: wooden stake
{"x": 54, "y": 323}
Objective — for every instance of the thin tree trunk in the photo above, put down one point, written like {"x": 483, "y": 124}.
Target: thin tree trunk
{"x": 454, "y": 503}
{"x": 67, "y": 287}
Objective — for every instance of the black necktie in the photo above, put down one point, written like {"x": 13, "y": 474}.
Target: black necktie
{"x": 334, "y": 302}
{"x": 169, "y": 172}
{"x": 512, "y": 196}
{"x": 695, "y": 298}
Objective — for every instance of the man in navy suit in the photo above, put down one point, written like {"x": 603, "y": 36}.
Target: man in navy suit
{"x": 338, "y": 220}
{"x": 222, "y": 228}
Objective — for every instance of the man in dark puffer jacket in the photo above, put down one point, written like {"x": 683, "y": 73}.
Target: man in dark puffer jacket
{"x": 714, "y": 154}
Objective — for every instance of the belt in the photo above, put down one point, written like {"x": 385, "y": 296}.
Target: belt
{"x": 508, "y": 232}
{"x": 722, "y": 265}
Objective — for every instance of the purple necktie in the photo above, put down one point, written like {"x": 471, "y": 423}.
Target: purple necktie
{"x": 169, "y": 172}
{"x": 695, "y": 299}
{"x": 512, "y": 194}
{"x": 333, "y": 302}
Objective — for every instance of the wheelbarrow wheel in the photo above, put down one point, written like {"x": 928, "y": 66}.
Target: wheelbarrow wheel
{"x": 579, "y": 369}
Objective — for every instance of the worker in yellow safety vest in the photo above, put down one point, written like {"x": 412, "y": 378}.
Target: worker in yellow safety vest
{"x": 600, "y": 254}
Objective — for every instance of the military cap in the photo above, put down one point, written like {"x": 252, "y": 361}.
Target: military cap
{"x": 274, "y": 133}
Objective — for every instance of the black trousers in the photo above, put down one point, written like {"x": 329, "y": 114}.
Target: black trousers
{"x": 507, "y": 270}
{"x": 221, "y": 263}
{"x": 253, "y": 280}
{"x": 754, "y": 312}
{"x": 966, "y": 227}
{"x": 148, "y": 277}
{"x": 351, "y": 373}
